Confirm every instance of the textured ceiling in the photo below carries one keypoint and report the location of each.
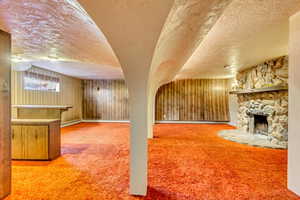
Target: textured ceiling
(199, 37)
(133, 28)
(249, 32)
(59, 35)
(188, 24)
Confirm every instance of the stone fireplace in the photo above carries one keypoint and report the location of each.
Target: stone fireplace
(265, 114)
(262, 105)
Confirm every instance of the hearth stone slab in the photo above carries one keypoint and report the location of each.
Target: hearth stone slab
(251, 139)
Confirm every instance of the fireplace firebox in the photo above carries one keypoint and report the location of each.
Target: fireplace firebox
(260, 124)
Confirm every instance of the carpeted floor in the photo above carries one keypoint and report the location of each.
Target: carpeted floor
(185, 162)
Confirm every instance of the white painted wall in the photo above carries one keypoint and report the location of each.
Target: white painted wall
(294, 105)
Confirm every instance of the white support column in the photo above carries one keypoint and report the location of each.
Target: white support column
(294, 105)
(132, 28)
(151, 118)
(140, 128)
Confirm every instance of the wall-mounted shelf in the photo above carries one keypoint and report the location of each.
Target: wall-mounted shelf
(269, 89)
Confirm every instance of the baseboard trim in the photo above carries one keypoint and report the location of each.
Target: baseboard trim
(294, 189)
(128, 121)
(190, 122)
(70, 123)
(104, 121)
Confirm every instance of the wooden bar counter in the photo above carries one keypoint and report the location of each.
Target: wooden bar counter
(35, 139)
(39, 111)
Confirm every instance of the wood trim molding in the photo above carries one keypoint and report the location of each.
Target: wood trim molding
(106, 121)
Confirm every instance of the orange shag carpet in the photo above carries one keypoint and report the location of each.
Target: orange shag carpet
(185, 162)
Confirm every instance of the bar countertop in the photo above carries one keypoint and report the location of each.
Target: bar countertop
(33, 121)
(43, 106)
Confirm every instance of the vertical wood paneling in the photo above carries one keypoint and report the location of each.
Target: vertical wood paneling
(184, 100)
(5, 128)
(105, 100)
(193, 100)
(70, 94)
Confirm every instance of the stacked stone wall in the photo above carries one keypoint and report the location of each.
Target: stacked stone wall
(268, 74)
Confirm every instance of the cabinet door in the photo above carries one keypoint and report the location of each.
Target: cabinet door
(36, 142)
(17, 143)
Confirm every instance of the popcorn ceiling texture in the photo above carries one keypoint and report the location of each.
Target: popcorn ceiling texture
(60, 30)
(188, 23)
(201, 36)
(247, 33)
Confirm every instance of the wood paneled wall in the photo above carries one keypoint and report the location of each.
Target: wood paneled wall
(5, 133)
(193, 100)
(184, 100)
(70, 94)
(105, 100)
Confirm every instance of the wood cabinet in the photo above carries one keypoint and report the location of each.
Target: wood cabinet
(16, 141)
(35, 139)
